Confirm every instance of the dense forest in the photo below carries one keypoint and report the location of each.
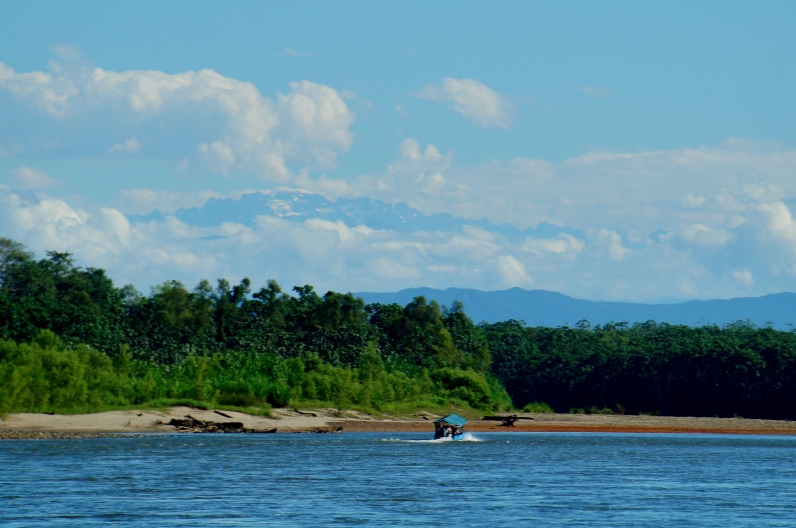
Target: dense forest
(73, 341)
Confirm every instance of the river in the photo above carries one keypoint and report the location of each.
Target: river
(361, 479)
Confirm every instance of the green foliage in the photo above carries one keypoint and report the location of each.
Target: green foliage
(44, 379)
(73, 341)
(671, 369)
(537, 407)
(40, 377)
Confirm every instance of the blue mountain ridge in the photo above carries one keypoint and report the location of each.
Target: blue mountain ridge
(535, 307)
(546, 308)
(298, 206)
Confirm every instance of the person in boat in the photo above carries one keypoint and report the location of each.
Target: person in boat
(449, 426)
(439, 431)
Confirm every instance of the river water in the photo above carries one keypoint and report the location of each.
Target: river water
(392, 479)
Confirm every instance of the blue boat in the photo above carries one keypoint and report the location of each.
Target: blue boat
(451, 426)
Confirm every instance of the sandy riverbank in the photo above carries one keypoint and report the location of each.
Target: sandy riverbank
(600, 424)
(26, 425)
(150, 421)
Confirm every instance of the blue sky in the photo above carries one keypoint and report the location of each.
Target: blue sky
(662, 134)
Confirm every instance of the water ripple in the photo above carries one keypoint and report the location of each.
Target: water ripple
(554, 479)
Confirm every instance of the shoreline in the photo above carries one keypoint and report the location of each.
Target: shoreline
(122, 423)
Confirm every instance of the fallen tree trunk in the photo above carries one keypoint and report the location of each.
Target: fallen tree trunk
(507, 421)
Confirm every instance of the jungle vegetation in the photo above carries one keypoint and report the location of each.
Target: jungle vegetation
(73, 341)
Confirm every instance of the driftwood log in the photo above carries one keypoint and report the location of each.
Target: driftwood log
(507, 421)
(189, 422)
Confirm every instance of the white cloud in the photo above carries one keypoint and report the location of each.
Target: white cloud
(596, 91)
(30, 179)
(65, 51)
(13, 149)
(645, 225)
(691, 201)
(629, 232)
(237, 128)
(779, 221)
(400, 109)
(290, 52)
(475, 101)
(128, 146)
(599, 264)
(706, 236)
(744, 277)
(610, 242)
(345, 235)
(142, 201)
(512, 272)
(644, 189)
(316, 120)
(562, 244)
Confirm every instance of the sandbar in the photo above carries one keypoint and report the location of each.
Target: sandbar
(114, 423)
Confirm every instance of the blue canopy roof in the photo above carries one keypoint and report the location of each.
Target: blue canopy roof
(453, 419)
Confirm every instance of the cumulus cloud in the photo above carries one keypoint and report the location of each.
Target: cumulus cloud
(128, 146)
(597, 263)
(744, 277)
(475, 101)
(691, 201)
(512, 272)
(648, 190)
(701, 222)
(706, 236)
(596, 91)
(779, 221)
(400, 109)
(30, 179)
(562, 244)
(236, 127)
(610, 242)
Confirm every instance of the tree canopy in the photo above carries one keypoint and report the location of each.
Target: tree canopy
(335, 347)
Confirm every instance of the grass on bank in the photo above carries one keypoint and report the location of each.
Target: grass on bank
(45, 377)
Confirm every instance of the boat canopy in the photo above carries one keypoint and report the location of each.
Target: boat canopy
(452, 419)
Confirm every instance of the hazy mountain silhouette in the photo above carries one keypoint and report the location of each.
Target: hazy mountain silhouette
(535, 307)
(299, 206)
(546, 308)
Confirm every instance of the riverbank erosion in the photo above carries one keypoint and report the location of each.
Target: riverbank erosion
(191, 420)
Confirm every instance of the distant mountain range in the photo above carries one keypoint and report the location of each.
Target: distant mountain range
(546, 308)
(299, 206)
(535, 307)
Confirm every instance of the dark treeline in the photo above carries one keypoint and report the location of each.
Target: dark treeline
(738, 370)
(235, 342)
(369, 355)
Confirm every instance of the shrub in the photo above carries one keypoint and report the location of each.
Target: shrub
(537, 407)
(465, 385)
(239, 400)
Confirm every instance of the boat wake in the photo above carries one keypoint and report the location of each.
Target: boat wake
(467, 437)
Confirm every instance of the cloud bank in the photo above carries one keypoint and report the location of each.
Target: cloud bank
(651, 225)
(228, 124)
(734, 236)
